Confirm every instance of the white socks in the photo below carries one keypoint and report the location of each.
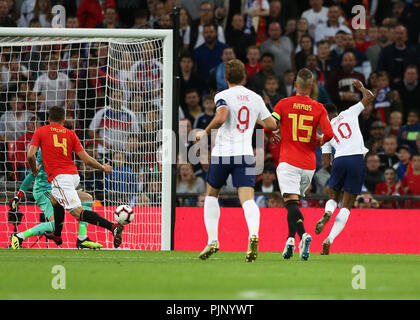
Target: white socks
(339, 223)
(211, 217)
(330, 206)
(252, 216)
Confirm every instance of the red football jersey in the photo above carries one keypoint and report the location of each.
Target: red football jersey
(299, 119)
(57, 145)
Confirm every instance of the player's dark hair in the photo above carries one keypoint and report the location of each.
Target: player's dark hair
(56, 114)
(330, 107)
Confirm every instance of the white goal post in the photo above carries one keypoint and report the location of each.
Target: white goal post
(160, 104)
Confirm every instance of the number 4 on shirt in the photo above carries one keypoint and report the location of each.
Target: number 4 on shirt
(62, 145)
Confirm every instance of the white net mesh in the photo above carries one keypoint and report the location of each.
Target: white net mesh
(112, 92)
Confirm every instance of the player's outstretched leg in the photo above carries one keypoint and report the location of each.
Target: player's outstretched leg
(211, 220)
(18, 238)
(93, 218)
(330, 207)
(83, 241)
(340, 221)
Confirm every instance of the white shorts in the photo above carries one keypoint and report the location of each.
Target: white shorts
(64, 190)
(293, 180)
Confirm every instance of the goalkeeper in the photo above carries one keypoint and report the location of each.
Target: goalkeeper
(41, 192)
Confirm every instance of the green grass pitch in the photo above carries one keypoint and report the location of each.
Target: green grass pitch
(27, 274)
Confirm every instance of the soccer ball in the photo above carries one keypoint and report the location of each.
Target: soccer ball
(124, 214)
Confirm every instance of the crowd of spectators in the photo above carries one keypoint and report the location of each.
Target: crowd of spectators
(273, 38)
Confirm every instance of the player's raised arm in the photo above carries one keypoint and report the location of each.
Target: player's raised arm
(368, 96)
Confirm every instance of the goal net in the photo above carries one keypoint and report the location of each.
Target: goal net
(116, 88)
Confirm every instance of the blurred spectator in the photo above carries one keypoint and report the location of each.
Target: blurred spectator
(164, 22)
(257, 82)
(184, 22)
(238, 39)
(13, 122)
(51, 87)
(289, 78)
(280, 46)
(72, 21)
(112, 125)
(328, 29)
(411, 181)
(325, 63)
(377, 41)
(389, 156)
(189, 77)
(301, 30)
(390, 187)
(362, 63)
(268, 182)
(110, 20)
(42, 12)
(397, 56)
(141, 19)
(187, 182)
(290, 28)
(200, 200)
(395, 123)
(410, 17)
(322, 176)
(275, 13)
(216, 81)
(91, 180)
(192, 103)
(340, 83)
(204, 119)
(195, 34)
(22, 146)
(360, 40)
(384, 102)
(373, 173)
(317, 14)
(409, 88)
(149, 128)
(366, 201)
(159, 10)
(91, 12)
(377, 135)
(209, 54)
(5, 20)
(408, 133)
(252, 65)
(307, 48)
(271, 93)
(275, 200)
(121, 183)
(256, 10)
(194, 6)
(90, 93)
(404, 165)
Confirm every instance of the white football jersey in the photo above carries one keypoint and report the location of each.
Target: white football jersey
(348, 139)
(234, 137)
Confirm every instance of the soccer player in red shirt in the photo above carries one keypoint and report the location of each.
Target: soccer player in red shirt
(299, 117)
(411, 182)
(57, 145)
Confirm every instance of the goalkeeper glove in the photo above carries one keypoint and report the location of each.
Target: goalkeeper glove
(13, 202)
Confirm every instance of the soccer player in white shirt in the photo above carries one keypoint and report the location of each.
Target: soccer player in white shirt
(237, 111)
(348, 168)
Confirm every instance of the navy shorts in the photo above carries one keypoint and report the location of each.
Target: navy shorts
(348, 174)
(242, 169)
